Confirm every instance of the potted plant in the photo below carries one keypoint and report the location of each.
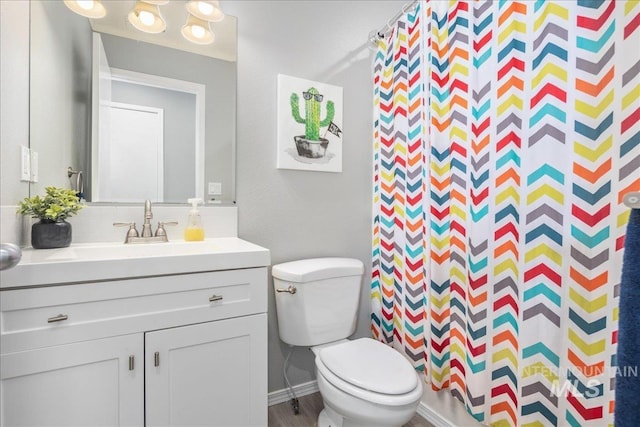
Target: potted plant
(52, 231)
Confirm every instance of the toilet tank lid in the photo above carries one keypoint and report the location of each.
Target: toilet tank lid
(308, 270)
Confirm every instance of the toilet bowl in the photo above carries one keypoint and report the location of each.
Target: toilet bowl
(363, 382)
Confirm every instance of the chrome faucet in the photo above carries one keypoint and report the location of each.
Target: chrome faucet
(148, 215)
(147, 235)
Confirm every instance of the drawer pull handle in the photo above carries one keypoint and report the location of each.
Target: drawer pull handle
(131, 361)
(58, 318)
(291, 289)
(214, 298)
(156, 359)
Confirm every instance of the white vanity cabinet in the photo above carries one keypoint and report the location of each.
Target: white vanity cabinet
(207, 374)
(168, 350)
(88, 383)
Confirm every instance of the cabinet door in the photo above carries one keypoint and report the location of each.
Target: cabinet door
(209, 374)
(82, 384)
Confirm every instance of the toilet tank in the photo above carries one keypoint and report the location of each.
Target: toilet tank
(324, 306)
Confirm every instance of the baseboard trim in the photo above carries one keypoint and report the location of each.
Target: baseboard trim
(431, 416)
(300, 390)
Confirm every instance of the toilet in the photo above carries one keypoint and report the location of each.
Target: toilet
(363, 383)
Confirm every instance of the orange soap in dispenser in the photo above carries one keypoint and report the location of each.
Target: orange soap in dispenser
(194, 231)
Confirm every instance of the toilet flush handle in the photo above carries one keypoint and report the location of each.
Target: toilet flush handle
(291, 289)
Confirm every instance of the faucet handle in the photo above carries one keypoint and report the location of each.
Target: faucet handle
(132, 229)
(161, 232)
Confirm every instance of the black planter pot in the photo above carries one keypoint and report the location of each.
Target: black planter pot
(50, 234)
(309, 148)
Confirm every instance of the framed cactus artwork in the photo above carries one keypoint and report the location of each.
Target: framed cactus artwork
(309, 125)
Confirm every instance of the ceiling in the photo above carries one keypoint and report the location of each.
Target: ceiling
(175, 15)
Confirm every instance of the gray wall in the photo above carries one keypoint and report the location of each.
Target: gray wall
(179, 133)
(60, 92)
(14, 103)
(325, 41)
(220, 103)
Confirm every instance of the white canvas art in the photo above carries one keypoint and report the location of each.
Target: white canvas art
(309, 125)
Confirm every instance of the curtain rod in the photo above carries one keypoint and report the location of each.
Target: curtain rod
(632, 200)
(374, 36)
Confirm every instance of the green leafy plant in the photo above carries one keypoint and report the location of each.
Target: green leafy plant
(57, 205)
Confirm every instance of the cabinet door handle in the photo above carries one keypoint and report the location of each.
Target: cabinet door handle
(156, 359)
(131, 361)
(213, 298)
(58, 318)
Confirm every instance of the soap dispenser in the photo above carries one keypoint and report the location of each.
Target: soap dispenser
(194, 231)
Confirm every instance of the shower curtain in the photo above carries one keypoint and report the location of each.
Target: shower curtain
(505, 135)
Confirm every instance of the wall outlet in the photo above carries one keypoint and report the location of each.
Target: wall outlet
(25, 163)
(215, 188)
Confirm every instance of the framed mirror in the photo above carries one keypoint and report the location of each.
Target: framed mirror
(123, 116)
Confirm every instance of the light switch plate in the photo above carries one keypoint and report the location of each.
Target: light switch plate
(215, 188)
(34, 166)
(25, 163)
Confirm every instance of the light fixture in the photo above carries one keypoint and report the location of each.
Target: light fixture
(93, 9)
(197, 31)
(145, 16)
(207, 10)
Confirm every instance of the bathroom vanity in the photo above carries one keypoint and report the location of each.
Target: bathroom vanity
(113, 334)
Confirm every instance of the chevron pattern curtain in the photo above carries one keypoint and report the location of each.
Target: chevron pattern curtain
(505, 135)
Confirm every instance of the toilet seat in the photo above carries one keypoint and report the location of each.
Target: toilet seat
(344, 366)
(371, 365)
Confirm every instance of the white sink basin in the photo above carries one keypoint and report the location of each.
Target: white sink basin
(86, 262)
(103, 251)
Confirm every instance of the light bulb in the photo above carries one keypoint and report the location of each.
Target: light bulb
(206, 8)
(92, 9)
(147, 18)
(85, 4)
(198, 31)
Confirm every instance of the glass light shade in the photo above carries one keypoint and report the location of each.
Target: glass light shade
(146, 17)
(197, 31)
(93, 9)
(207, 10)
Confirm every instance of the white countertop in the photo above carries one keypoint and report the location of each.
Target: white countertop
(89, 262)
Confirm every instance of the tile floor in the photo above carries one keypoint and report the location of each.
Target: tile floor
(281, 415)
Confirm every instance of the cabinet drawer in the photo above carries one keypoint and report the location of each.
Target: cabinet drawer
(123, 304)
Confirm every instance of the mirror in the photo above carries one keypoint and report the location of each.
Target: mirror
(187, 101)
